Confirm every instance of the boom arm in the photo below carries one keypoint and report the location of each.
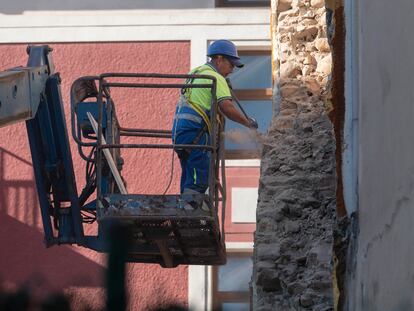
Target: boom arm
(21, 89)
(32, 94)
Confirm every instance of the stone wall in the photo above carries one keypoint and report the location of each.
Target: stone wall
(293, 257)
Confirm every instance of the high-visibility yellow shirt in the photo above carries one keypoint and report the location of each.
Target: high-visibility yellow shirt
(202, 96)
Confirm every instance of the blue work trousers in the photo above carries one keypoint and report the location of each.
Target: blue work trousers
(195, 163)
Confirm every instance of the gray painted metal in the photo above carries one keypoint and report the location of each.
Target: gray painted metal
(21, 89)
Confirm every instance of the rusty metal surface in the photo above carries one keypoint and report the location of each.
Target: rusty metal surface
(155, 146)
(145, 132)
(118, 205)
(158, 86)
(163, 232)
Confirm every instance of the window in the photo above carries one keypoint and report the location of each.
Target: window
(252, 85)
(231, 282)
(241, 3)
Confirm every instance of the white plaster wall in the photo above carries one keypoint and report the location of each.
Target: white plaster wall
(351, 126)
(19, 6)
(384, 272)
(246, 26)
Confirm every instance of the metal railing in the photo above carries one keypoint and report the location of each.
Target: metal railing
(217, 189)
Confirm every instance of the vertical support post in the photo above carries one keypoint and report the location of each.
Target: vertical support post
(116, 299)
(213, 158)
(221, 163)
(98, 144)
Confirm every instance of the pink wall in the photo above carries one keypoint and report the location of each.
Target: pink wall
(23, 257)
(240, 177)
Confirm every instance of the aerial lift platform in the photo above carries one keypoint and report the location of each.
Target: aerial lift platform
(159, 229)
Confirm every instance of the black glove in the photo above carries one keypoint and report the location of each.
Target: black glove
(229, 83)
(253, 123)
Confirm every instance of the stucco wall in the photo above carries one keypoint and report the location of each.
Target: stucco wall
(384, 273)
(23, 257)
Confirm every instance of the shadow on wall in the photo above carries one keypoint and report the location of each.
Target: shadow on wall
(15, 193)
(34, 294)
(20, 6)
(24, 256)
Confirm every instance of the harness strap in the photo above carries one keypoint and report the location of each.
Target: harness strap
(185, 101)
(185, 153)
(203, 115)
(188, 116)
(187, 94)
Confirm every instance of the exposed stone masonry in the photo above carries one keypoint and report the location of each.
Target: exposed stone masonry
(293, 258)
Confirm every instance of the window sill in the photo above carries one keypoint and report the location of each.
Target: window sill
(243, 163)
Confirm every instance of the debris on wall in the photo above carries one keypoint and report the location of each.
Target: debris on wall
(293, 254)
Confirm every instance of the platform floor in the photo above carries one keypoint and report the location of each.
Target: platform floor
(163, 232)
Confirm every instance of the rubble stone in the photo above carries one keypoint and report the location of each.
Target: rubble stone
(289, 69)
(325, 65)
(317, 3)
(322, 45)
(296, 206)
(284, 5)
(269, 281)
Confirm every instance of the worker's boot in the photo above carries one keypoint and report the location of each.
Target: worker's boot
(187, 202)
(183, 204)
(205, 207)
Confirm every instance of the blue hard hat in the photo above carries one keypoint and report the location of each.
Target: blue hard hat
(227, 49)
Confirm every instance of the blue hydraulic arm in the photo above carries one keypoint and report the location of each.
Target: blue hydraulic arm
(32, 93)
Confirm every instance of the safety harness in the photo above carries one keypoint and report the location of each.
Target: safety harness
(186, 108)
(186, 93)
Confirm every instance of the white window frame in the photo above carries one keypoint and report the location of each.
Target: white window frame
(200, 280)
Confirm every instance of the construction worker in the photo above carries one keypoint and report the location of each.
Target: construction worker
(191, 121)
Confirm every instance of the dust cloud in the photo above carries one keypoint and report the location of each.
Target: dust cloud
(246, 138)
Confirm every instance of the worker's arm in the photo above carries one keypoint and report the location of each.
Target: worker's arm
(231, 112)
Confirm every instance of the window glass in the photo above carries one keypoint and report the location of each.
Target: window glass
(256, 73)
(237, 136)
(235, 275)
(253, 87)
(234, 306)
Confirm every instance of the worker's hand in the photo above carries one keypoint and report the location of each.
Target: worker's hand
(253, 123)
(229, 83)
